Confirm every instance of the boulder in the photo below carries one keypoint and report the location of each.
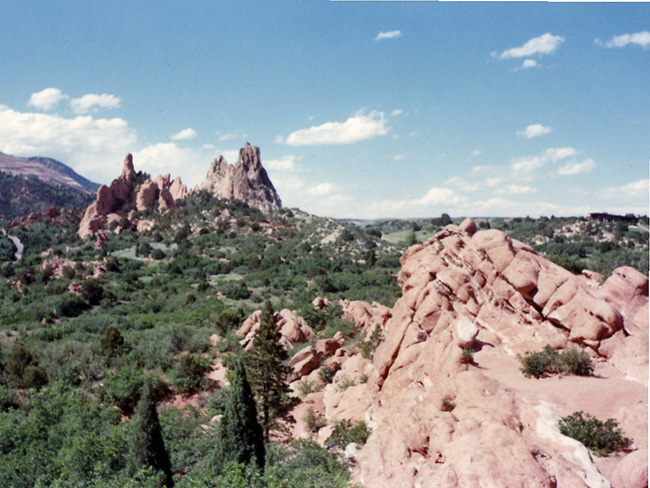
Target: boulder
(304, 362)
(465, 332)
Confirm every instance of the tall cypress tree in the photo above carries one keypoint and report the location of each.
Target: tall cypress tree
(147, 444)
(240, 433)
(268, 373)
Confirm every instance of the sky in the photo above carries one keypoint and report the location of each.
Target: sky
(360, 109)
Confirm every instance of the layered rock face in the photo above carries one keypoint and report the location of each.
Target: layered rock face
(115, 201)
(246, 181)
(496, 297)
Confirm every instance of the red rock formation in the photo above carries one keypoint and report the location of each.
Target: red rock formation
(292, 327)
(246, 181)
(113, 202)
(464, 288)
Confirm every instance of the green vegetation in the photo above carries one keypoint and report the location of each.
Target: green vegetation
(240, 436)
(22, 195)
(147, 447)
(80, 342)
(548, 361)
(602, 438)
(578, 243)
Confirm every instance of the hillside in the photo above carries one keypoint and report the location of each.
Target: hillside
(402, 363)
(34, 184)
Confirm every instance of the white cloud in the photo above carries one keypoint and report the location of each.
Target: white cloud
(93, 102)
(228, 137)
(184, 135)
(286, 164)
(399, 157)
(557, 153)
(635, 189)
(534, 130)
(358, 128)
(320, 190)
(396, 112)
(462, 184)
(575, 168)
(528, 164)
(529, 63)
(46, 99)
(640, 38)
(475, 153)
(544, 44)
(90, 146)
(516, 190)
(388, 35)
(167, 157)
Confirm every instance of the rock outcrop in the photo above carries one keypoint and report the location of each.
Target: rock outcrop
(129, 190)
(482, 292)
(246, 181)
(292, 328)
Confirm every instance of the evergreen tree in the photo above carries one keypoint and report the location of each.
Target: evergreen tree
(147, 444)
(240, 434)
(268, 373)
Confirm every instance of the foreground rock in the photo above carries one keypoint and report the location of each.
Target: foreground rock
(482, 292)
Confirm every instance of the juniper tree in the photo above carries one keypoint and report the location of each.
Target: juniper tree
(240, 435)
(268, 373)
(147, 444)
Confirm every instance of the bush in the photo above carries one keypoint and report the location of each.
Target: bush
(326, 373)
(189, 373)
(112, 340)
(314, 421)
(71, 306)
(549, 361)
(345, 433)
(447, 405)
(600, 438)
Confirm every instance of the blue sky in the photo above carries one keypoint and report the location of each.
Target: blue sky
(360, 109)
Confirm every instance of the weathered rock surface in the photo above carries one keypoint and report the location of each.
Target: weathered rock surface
(115, 201)
(292, 327)
(246, 181)
(497, 296)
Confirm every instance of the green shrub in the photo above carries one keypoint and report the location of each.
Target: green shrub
(600, 438)
(448, 405)
(368, 347)
(112, 340)
(307, 386)
(344, 433)
(314, 421)
(188, 375)
(326, 373)
(549, 361)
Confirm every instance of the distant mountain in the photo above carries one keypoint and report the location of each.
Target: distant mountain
(33, 184)
(47, 170)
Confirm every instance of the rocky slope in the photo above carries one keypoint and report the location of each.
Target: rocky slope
(484, 292)
(47, 170)
(31, 185)
(246, 181)
(128, 193)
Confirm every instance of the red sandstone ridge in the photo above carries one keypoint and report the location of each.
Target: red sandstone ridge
(483, 290)
(246, 181)
(128, 190)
